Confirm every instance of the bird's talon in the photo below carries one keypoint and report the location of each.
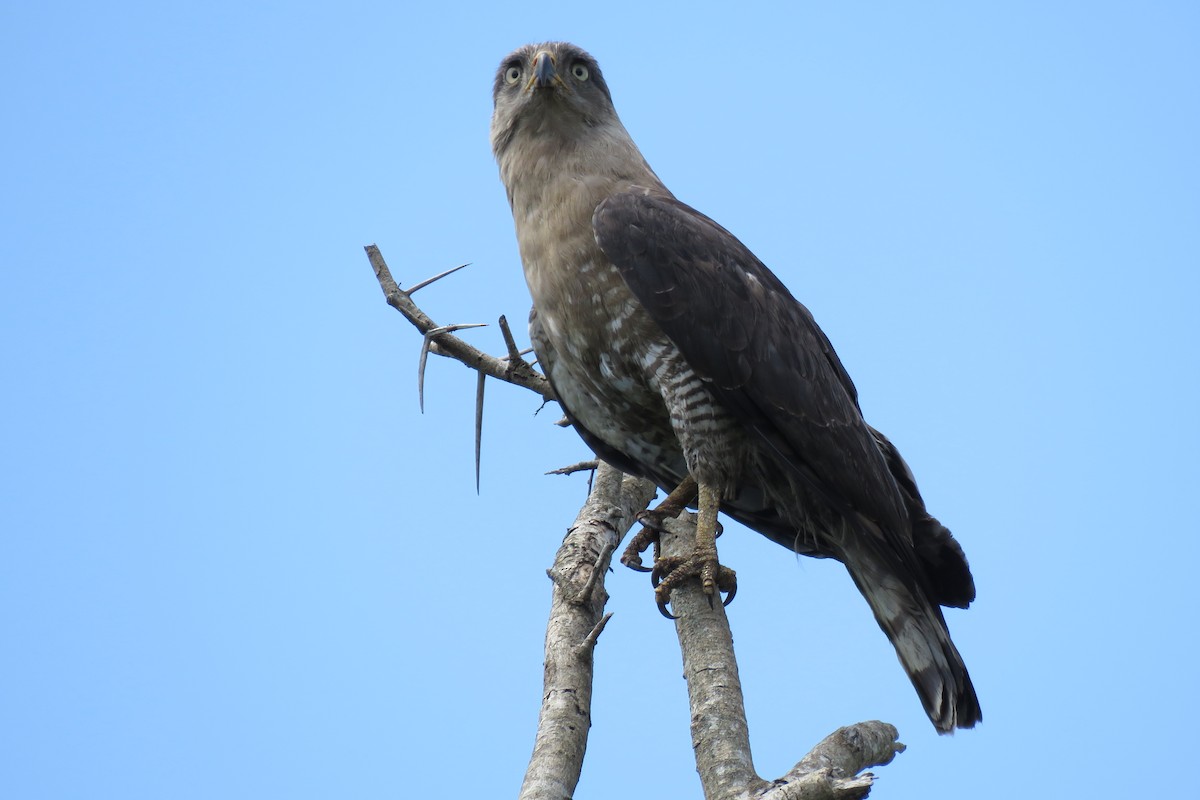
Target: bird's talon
(651, 518)
(662, 603)
(633, 560)
(641, 541)
(726, 583)
(663, 568)
(717, 581)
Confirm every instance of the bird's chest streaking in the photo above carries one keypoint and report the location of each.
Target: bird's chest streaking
(614, 369)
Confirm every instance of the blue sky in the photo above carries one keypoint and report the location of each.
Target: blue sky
(237, 562)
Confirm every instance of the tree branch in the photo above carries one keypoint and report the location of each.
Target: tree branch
(720, 735)
(517, 372)
(576, 615)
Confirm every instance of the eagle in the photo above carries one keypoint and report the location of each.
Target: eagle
(678, 356)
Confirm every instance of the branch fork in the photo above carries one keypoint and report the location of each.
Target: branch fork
(720, 735)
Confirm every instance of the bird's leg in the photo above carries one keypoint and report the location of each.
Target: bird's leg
(652, 520)
(670, 571)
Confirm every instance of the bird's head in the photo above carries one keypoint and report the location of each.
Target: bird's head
(547, 89)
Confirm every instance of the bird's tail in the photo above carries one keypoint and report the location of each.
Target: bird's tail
(917, 630)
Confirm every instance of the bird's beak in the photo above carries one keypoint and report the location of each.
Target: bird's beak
(544, 73)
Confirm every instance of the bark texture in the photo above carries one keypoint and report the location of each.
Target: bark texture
(576, 619)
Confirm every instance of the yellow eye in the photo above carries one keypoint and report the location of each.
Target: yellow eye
(580, 72)
(512, 74)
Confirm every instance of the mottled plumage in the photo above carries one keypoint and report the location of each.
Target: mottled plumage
(674, 351)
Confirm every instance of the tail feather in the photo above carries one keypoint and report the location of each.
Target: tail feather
(943, 558)
(918, 631)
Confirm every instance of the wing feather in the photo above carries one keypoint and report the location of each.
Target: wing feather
(758, 347)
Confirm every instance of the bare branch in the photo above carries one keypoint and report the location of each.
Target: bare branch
(603, 559)
(579, 466)
(584, 649)
(851, 749)
(576, 611)
(720, 734)
(445, 344)
(425, 346)
(514, 352)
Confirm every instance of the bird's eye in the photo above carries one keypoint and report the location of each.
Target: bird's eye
(580, 72)
(512, 74)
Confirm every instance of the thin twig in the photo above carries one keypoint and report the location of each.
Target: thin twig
(579, 466)
(444, 344)
(585, 648)
(598, 569)
(514, 352)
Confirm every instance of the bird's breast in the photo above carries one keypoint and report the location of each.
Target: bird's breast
(614, 368)
(608, 356)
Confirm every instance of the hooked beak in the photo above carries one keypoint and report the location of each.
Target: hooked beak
(544, 73)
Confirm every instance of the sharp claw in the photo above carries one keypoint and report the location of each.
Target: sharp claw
(633, 560)
(641, 541)
(662, 609)
(669, 572)
(658, 572)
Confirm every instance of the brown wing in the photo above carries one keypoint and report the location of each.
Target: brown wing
(740, 328)
(771, 366)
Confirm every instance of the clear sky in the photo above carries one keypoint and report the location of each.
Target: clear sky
(236, 562)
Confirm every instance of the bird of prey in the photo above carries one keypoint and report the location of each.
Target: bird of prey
(678, 356)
